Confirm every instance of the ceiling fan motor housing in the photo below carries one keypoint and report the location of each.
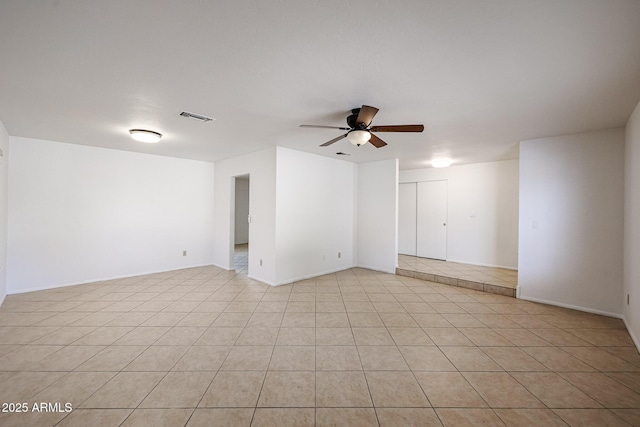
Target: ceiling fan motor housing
(352, 120)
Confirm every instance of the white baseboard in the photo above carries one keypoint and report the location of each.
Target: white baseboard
(381, 270)
(483, 265)
(86, 282)
(631, 334)
(222, 267)
(318, 274)
(311, 276)
(257, 279)
(573, 307)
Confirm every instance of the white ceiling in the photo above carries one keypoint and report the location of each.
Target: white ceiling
(480, 74)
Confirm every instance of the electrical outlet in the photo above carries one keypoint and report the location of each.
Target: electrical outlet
(184, 253)
(339, 254)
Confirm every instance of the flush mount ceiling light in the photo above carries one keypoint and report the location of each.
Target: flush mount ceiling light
(441, 163)
(359, 137)
(143, 135)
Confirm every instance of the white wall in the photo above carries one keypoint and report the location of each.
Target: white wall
(4, 146)
(571, 221)
(315, 209)
(79, 214)
(377, 216)
(632, 226)
(482, 225)
(261, 166)
(242, 211)
(408, 218)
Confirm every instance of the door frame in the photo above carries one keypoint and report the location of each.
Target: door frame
(232, 220)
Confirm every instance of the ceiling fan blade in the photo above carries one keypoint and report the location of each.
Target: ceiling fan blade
(398, 128)
(366, 114)
(333, 140)
(377, 142)
(324, 127)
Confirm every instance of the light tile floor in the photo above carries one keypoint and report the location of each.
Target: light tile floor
(241, 258)
(204, 346)
(488, 279)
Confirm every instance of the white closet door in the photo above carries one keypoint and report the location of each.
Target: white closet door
(432, 219)
(407, 219)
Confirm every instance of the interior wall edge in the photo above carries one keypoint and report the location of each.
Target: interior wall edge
(631, 334)
(4, 209)
(631, 252)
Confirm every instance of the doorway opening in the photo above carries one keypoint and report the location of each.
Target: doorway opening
(240, 230)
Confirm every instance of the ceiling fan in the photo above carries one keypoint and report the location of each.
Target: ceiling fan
(360, 129)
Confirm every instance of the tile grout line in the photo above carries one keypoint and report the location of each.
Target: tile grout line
(364, 373)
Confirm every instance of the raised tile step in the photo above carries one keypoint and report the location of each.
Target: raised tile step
(454, 281)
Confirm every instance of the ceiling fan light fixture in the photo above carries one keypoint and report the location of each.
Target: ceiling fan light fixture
(144, 135)
(359, 137)
(441, 163)
(360, 130)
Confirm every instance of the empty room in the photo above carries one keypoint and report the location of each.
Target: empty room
(334, 213)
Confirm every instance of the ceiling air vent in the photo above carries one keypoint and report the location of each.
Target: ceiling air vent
(195, 116)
